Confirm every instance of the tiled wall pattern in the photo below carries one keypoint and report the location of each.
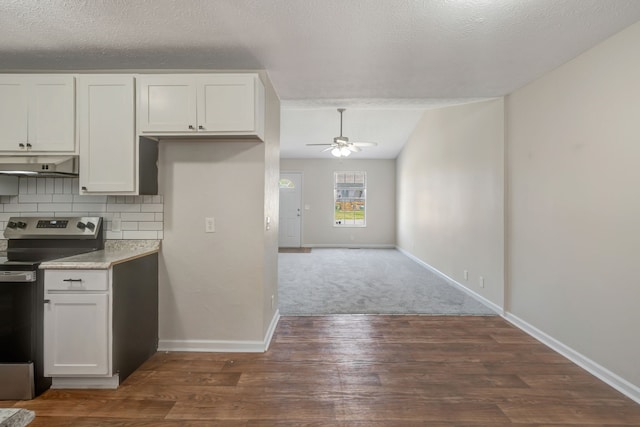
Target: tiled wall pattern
(141, 217)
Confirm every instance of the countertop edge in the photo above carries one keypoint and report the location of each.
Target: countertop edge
(98, 260)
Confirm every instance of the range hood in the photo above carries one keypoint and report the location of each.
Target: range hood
(39, 166)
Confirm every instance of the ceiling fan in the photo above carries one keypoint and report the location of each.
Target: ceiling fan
(341, 147)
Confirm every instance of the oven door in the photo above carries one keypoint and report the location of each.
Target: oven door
(19, 333)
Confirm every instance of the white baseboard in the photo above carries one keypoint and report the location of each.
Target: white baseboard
(85, 382)
(213, 346)
(222, 346)
(350, 245)
(493, 306)
(615, 381)
(271, 330)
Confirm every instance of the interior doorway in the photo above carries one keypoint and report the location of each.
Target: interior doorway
(290, 210)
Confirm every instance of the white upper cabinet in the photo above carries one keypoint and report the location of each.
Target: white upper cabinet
(106, 123)
(167, 104)
(201, 104)
(14, 113)
(37, 113)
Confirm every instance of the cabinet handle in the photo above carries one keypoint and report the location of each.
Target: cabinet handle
(21, 145)
(28, 145)
(84, 188)
(47, 301)
(72, 280)
(201, 127)
(191, 127)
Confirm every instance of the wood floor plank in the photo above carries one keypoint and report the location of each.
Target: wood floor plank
(422, 379)
(561, 412)
(127, 422)
(191, 378)
(355, 371)
(395, 410)
(257, 407)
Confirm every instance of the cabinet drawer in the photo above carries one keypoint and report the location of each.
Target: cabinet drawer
(76, 280)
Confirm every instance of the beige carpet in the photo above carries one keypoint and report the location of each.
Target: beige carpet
(366, 281)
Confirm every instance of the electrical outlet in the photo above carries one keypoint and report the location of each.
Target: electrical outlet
(116, 224)
(481, 282)
(209, 225)
(466, 275)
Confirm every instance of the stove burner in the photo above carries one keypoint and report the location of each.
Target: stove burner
(33, 239)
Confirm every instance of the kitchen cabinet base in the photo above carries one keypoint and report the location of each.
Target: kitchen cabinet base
(17, 381)
(85, 382)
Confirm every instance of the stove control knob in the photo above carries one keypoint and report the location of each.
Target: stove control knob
(81, 225)
(91, 226)
(12, 224)
(21, 224)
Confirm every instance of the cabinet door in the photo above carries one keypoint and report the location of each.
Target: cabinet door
(106, 115)
(226, 103)
(167, 104)
(14, 112)
(76, 335)
(52, 113)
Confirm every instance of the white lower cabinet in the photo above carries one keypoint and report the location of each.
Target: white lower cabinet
(77, 319)
(100, 325)
(77, 334)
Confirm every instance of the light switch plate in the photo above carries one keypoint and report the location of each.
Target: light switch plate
(209, 225)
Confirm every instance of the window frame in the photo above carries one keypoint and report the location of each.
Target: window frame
(363, 197)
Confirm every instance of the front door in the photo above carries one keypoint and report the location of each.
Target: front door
(290, 209)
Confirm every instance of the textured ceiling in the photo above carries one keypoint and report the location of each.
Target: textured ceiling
(320, 54)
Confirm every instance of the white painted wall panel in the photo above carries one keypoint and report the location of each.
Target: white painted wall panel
(450, 191)
(573, 232)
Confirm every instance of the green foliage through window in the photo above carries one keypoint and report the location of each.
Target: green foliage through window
(350, 193)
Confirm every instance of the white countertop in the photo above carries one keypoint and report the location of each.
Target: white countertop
(115, 252)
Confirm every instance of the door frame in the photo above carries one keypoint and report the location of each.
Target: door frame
(297, 172)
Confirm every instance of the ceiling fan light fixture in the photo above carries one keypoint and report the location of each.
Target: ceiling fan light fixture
(341, 147)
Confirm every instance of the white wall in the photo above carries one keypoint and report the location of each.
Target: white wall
(574, 205)
(271, 204)
(211, 283)
(317, 193)
(450, 190)
(215, 288)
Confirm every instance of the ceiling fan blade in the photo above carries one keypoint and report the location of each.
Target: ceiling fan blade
(317, 144)
(354, 148)
(330, 147)
(365, 144)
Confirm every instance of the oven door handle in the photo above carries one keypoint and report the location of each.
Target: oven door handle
(17, 276)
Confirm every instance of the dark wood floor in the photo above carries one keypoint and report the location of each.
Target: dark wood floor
(355, 371)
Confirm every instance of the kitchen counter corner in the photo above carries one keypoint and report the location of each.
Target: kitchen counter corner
(114, 252)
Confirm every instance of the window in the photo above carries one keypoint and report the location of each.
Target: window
(287, 183)
(350, 194)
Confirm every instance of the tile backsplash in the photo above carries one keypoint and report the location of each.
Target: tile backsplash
(141, 217)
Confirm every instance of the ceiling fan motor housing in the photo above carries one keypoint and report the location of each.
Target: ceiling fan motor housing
(341, 140)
